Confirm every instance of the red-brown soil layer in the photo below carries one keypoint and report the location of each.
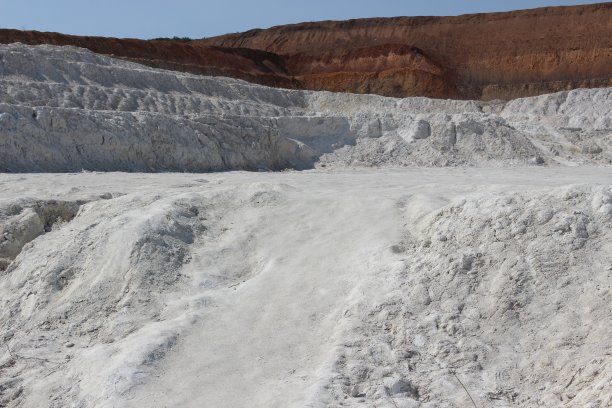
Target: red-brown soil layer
(479, 56)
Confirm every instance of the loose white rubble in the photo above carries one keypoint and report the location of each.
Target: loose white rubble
(365, 288)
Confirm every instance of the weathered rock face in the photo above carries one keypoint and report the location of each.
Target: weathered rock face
(480, 56)
(488, 56)
(389, 69)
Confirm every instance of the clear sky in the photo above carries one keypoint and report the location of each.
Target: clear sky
(197, 19)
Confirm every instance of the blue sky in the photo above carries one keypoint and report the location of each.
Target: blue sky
(197, 19)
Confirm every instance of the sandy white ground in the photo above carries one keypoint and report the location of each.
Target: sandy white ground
(386, 288)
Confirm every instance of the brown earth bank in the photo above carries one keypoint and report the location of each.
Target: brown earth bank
(479, 56)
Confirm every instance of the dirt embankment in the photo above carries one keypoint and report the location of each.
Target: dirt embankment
(479, 56)
(488, 56)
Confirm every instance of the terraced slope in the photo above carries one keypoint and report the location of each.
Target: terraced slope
(68, 109)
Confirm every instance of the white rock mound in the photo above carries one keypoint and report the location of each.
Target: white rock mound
(413, 288)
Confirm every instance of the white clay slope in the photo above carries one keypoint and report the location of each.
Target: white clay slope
(67, 109)
(369, 288)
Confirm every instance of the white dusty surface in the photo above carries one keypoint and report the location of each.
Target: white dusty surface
(344, 286)
(369, 288)
(67, 109)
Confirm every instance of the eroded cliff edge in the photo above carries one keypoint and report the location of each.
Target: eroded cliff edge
(480, 56)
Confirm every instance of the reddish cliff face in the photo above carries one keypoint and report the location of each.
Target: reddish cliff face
(498, 55)
(389, 69)
(481, 56)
